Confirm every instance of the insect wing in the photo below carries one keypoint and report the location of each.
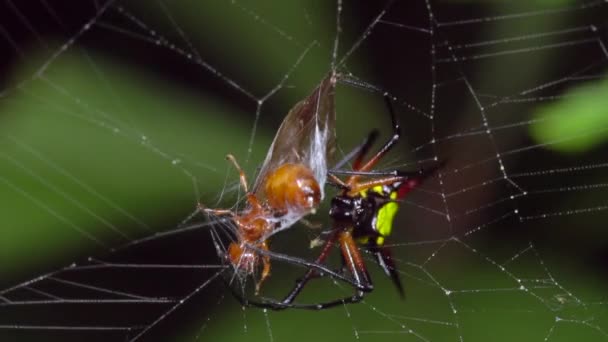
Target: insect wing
(306, 136)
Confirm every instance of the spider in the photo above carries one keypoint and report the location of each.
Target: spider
(362, 214)
(288, 186)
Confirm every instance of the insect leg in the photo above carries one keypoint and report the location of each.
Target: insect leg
(265, 268)
(242, 176)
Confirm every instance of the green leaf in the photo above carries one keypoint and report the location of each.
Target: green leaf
(576, 123)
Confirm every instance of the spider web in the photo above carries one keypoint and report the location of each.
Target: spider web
(116, 118)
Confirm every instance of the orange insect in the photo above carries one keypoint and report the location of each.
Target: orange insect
(290, 183)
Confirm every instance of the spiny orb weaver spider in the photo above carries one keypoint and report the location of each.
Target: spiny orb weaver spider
(288, 186)
(362, 214)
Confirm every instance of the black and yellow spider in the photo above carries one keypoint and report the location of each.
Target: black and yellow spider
(362, 214)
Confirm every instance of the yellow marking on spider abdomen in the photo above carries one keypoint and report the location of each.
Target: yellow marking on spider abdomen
(384, 221)
(384, 217)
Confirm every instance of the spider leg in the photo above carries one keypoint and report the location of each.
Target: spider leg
(314, 269)
(364, 148)
(354, 261)
(361, 280)
(358, 187)
(384, 258)
(314, 266)
(416, 179)
(410, 180)
(336, 182)
(311, 272)
(359, 151)
(404, 174)
(277, 306)
(388, 145)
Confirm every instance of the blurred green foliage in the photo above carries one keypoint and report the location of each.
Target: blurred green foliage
(576, 123)
(52, 143)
